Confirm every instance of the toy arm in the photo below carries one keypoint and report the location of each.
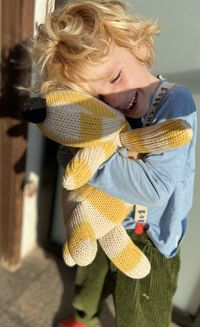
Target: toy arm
(85, 163)
(157, 138)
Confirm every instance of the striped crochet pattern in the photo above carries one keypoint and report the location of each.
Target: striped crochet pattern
(80, 121)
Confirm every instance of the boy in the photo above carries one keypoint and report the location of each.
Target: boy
(99, 48)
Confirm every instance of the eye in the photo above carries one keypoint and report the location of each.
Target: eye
(116, 78)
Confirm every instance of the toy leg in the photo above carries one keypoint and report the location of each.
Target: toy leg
(124, 254)
(81, 246)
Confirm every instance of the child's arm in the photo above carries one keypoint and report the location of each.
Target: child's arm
(149, 182)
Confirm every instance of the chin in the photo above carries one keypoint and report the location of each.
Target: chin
(136, 116)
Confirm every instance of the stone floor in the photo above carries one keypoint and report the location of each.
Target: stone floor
(39, 293)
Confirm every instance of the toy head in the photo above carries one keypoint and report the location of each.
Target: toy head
(74, 119)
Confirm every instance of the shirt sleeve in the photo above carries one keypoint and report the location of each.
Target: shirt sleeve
(150, 181)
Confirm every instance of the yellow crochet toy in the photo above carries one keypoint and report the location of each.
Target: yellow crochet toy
(80, 121)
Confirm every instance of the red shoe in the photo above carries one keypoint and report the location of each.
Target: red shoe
(71, 322)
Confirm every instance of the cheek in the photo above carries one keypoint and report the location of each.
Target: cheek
(137, 76)
(126, 83)
(131, 83)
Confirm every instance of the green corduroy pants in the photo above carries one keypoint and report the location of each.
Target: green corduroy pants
(143, 302)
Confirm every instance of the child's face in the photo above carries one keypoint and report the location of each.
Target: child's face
(128, 84)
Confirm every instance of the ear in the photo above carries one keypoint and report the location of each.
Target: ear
(34, 110)
(143, 52)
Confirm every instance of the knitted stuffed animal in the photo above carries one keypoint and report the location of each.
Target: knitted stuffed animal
(96, 130)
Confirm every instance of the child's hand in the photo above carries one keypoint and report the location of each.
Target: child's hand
(135, 155)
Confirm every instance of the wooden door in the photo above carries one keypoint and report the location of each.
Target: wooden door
(17, 26)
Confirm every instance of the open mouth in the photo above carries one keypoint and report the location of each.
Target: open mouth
(131, 105)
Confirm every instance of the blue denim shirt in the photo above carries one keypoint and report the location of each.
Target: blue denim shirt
(163, 182)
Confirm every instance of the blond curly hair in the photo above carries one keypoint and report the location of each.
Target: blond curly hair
(79, 35)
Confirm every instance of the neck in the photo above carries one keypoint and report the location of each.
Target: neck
(154, 82)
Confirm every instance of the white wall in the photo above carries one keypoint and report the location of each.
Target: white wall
(33, 167)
